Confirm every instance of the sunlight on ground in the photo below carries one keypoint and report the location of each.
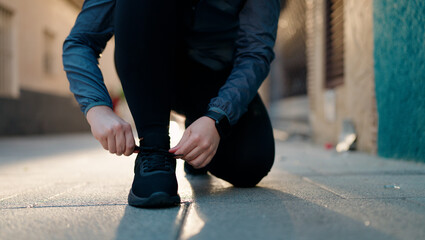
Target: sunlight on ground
(176, 132)
(176, 128)
(193, 222)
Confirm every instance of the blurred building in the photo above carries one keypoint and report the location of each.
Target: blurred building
(289, 68)
(341, 69)
(366, 64)
(34, 91)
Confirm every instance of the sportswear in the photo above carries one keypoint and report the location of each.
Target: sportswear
(218, 33)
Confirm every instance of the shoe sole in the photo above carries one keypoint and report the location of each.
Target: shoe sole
(156, 200)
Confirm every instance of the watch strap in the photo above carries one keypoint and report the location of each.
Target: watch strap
(221, 122)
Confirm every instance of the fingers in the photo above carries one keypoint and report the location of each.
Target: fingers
(120, 142)
(104, 142)
(187, 147)
(207, 160)
(182, 141)
(193, 154)
(129, 143)
(112, 143)
(110, 130)
(194, 147)
(197, 162)
(199, 142)
(124, 140)
(200, 157)
(202, 160)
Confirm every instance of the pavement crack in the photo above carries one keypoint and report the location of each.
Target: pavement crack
(26, 191)
(8, 197)
(56, 195)
(66, 191)
(322, 187)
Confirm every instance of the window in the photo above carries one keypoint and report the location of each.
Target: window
(7, 84)
(334, 43)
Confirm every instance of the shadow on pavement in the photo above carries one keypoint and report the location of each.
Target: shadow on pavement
(148, 223)
(265, 213)
(220, 211)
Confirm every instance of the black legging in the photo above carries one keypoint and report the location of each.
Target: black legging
(157, 76)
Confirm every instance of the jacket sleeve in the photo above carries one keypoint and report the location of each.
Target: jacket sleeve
(258, 21)
(82, 49)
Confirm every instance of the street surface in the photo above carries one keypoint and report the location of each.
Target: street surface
(68, 187)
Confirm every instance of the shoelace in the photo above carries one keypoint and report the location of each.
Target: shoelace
(153, 159)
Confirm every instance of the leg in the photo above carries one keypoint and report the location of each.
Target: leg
(247, 155)
(145, 42)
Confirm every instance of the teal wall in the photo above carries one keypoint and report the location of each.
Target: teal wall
(399, 52)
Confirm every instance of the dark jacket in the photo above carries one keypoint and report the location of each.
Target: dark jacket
(220, 33)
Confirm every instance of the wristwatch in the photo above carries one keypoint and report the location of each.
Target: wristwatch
(221, 122)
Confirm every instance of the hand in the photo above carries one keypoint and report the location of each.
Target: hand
(111, 131)
(199, 143)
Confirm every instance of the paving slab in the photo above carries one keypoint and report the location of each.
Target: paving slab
(88, 222)
(307, 159)
(373, 186)
(420, 201)
(397, 218)
(311, 193)
(279, 220)
(76, 192)
(277, 211)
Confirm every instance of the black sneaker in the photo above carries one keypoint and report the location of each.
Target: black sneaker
(155, 182)
(190, 170)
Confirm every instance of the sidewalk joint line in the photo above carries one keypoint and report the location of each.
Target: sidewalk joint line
(323, 187)
(66, 206)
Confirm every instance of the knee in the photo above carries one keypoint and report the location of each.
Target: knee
(246, 181)
(246, 168)
(252, 172)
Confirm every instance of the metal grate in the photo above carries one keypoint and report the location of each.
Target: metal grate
(334, 43)
(6, 78)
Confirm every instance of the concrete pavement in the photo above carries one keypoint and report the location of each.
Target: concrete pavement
(68, 187)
